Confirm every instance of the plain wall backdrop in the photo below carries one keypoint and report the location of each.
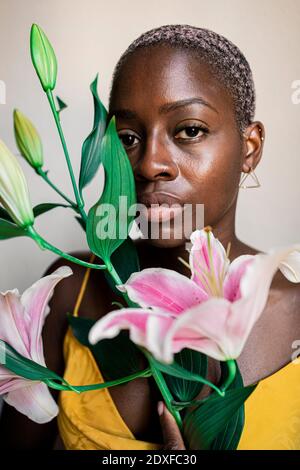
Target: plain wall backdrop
(88, 37)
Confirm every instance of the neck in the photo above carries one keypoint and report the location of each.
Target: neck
(224, 231)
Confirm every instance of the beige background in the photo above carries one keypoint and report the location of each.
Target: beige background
(88, 37)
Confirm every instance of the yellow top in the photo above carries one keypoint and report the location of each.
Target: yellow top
(91, 420)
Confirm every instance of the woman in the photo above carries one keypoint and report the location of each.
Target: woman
(184, 103)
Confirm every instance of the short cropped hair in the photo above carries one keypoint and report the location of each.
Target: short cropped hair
(225, 58)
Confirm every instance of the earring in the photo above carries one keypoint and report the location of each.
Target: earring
(253, 176)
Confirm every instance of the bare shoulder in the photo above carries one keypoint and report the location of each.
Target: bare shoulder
(270, 344)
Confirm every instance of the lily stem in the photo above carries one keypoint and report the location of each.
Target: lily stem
(78, 198)
(46, 178)
(85, 388)
(231, 365)
(46, 245)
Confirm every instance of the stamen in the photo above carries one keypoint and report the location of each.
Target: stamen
(228, 249)
(185, 263)
(212, 268)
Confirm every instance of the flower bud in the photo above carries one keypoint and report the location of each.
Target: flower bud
(28, 140)
(43, 58)
(13, 188)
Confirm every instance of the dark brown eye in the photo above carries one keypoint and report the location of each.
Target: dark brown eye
(128, 140)
(190, 132)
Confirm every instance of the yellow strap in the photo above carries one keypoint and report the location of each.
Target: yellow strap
(83, 287)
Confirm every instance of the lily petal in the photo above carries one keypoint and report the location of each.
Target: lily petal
(13, 329)
(163, 289)
(290, 268)
(202, 263)
(10, 381)
(255, 286)
(34, 401)
(204, 329)
(35, 301)
(233, 278)
(147, 327)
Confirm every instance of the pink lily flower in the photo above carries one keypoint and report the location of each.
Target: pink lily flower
(21, 321)
(213, 312)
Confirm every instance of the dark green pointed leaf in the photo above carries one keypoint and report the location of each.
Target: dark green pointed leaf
(91, 148)
(45, 207)
(204, 426)
(116, 357)
(61, 104)
(229, 437)
(10, 230)
(24, 367)
(125, 261)
(176, 370)
(106, 219)
(195, 362)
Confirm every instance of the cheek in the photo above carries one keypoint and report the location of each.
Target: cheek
(214, 175)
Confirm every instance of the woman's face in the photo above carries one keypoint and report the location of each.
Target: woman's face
(177, 124)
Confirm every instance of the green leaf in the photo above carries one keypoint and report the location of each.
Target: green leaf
(125, 261)
(116, 357)
(61, 104)
(24, 367)
(45, 207)
(195, 362)
(176, 370)
(109, 215)
(229, 437)
(43, 58)
(10, 230)
(215, 423)
(81, 222)
(91, 148)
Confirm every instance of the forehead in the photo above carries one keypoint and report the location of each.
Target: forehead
(158, 74)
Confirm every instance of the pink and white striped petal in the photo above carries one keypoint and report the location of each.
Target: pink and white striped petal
(147, 328)
(236, 270)
(35, 401)
(13, 328)
(163, 289)
(35, 302)
(204, 329)
(208, 261)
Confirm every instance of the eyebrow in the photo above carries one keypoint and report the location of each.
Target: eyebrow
(165, 108)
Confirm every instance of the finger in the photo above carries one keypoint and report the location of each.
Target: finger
(171, 433)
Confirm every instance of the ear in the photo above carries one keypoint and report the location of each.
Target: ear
(254, 136)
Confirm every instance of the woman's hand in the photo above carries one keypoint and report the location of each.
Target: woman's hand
(171, 433)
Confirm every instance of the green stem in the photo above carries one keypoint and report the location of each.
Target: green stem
(231, 364)
(157, 375)
(45, 177)
(45, 245)
(78, 198)
(118, 281)
(85, 388)
(164, 389)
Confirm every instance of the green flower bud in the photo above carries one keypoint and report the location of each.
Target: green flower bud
(14, 194)
(43, 58)
(28, 140)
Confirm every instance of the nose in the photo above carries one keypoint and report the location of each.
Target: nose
(156, 161)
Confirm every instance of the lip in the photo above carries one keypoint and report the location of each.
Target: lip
(158, 198)
(160, 206)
